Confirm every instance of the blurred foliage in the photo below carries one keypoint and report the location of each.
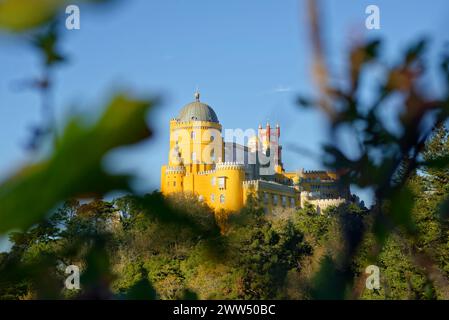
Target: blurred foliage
(155, 247)
(22, 15)
(75, 166)
(386, 161)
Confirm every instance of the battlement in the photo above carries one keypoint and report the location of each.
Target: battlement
(229, 166)
(175, 170)
(327, 202)
(250, 182)
(194, 124)
(322, 204)
(206, 172)
(314, 171)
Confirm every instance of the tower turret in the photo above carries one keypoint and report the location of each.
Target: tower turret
(229, 182)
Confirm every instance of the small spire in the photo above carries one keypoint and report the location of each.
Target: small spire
(197, 94)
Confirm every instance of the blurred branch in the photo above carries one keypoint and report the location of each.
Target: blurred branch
(319, 69)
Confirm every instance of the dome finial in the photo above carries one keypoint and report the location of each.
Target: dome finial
(197, 94)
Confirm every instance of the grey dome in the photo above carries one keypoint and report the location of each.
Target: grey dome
(197, 111)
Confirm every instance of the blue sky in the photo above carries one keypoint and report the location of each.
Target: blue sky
(249, 58)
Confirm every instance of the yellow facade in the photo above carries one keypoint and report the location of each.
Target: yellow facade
(196, 165)
(326, 183)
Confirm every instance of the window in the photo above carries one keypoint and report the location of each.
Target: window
(193, 135)
(212, 197)
(212, 138)
(284, 200)
(265, 197)
(292, 202)
(212, 181)
(275, 199)
(174, 183)
(212, 155)
(222, 182)
(222, 198)
(193, 156)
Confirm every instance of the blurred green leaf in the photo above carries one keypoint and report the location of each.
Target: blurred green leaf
(47, 44)
(75, 167)
(21, 15)
(96, 279)
(329, 283)
(142, 290)
(24, 15)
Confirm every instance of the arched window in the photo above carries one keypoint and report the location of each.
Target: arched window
(212, 155)
(222, 198)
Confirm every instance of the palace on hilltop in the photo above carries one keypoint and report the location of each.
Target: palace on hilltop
(224, 174)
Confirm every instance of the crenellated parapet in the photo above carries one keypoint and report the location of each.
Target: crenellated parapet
(250, 182)
(322, 204)
(314, 171)
(175, 170)
(196, 124)
(229, 166)
(205, 172)
(328, 202)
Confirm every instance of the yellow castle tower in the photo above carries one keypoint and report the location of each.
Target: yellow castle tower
(195, 160)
